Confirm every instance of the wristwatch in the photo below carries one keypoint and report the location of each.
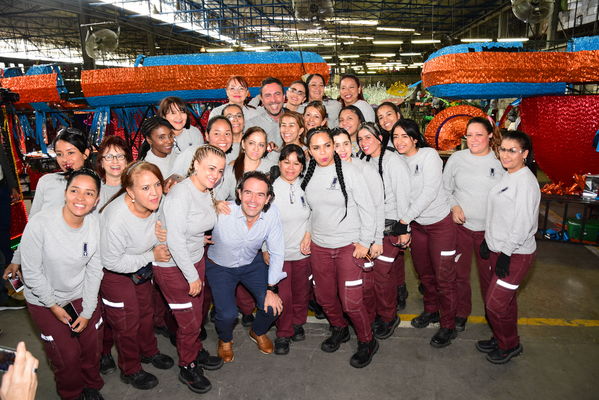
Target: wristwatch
(273, 288)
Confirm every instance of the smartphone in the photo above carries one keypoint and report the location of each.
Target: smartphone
(7, 357)
(16, 283)
(70, 309)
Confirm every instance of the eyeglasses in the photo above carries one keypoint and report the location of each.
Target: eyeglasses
(110, 157)
(512, 151)
(231, 117)
(296, 91)
(237, 89)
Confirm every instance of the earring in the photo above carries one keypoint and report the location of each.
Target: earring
(132, 200)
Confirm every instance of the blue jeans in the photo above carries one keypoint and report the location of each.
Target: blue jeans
(223, 281)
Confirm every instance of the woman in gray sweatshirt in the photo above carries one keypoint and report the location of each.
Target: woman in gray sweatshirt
(189, 211)
(72, 153)
(509, 246)
(342, 229)
(433, 231)
(389, 270)
(62, 274)
(129, 246)
(468, 176)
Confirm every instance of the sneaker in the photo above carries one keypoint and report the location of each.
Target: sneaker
(282, 345)
(141, 380)
(500, 356)
(107, 365)
(487, 346)
(247, 320)
(206, 361)
(316, 309)
(384, 330)
(193, 376)
(443, 337)
(338, 335)
(12, 304)
(424, 319)
(363, 356)
(159, 360)
(402, 295)
(298, 333)
(91, 394)
(460, 324)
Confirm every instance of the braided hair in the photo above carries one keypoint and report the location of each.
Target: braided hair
(147, 127)
(338, 165)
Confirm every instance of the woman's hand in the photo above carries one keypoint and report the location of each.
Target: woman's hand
(458, 215)
(61, 314)
(404, 240)
(360, 251)
(80, 324)
(222, 207)
(305, 244)
(160, 232)
(375, 250)
(195, 288)
(208, 240)
(161, 253)
(14, 269)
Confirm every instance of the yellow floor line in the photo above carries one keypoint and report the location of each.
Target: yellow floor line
(474, 319)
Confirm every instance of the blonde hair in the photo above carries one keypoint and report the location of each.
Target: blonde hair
(201, 153)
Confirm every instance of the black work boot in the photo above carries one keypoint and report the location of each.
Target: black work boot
(206, 361)
(443, 337)
(424, 319)
(363, 356)
(141, 380)
(338, 335)
(193, 376)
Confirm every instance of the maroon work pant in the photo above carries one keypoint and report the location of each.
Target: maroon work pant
(187, 310)
(129, 309)
(75, 360)
(400, 269)
(294, 292)
(433, 253)
(385, 279)
(467, 242)
(338, 286)
(107, 338)
(500, 303)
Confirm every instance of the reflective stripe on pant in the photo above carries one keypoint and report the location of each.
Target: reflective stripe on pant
(244, 300)
(187, 310)
(501, 304)
(294, 291)
(385, 278)
(129, 309)
(467, 242)
(223, 282)
(338, 285)
(433, 254)
(75, 360)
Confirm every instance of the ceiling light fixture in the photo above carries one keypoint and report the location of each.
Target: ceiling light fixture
(475, 40)
(219, 50)
(382, 54)
(383, 42)
(385, 28)
(426, 41)
(369, 22)
(410, 54)
(508, 40)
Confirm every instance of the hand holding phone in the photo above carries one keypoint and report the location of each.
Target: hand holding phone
(20, 381)
(16, 282)
(7, 357)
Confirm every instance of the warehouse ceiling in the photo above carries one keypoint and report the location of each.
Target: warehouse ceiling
(339, 30)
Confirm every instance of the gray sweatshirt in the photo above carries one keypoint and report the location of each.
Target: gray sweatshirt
(188, 213)
(106, 193)
(375, 188)
(61, 263)
(326, 201)
(190, 137)
(229, 176)
(333, 108)
(165, 165)
(396, 178)
(429, 202)
(127, 241)
(248, 112)
(512, 213)
(270, 126)
(48, 193)
(467, 179)
(294, 211)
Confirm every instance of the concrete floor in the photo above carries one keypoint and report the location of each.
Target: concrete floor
(559, 361)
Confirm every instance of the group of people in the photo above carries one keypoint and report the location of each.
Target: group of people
(300, 199)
